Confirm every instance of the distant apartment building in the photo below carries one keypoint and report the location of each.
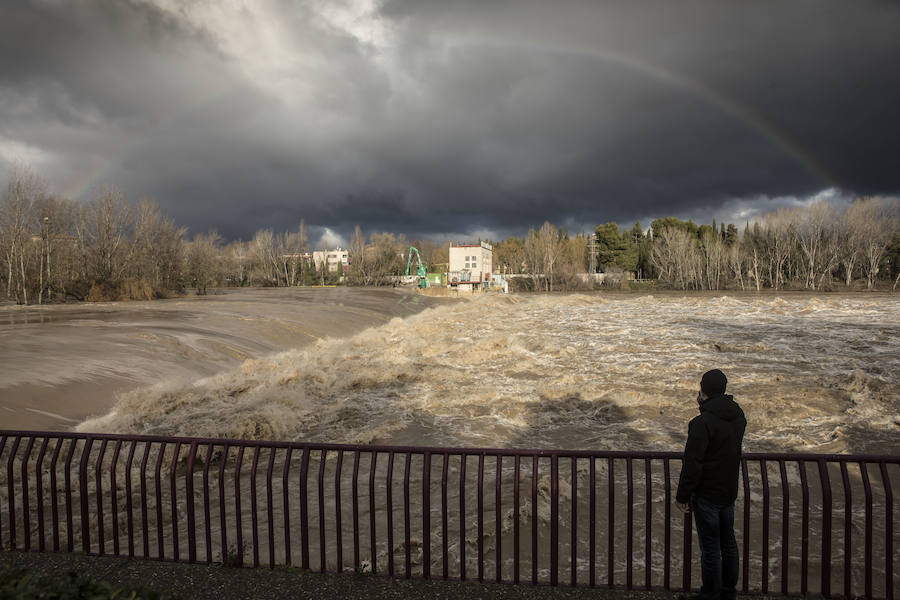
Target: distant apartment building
(471, 265)
(337, 260)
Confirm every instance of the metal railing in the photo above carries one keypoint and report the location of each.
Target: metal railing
(807, 524)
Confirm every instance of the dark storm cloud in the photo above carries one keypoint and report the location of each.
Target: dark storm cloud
(443, 118)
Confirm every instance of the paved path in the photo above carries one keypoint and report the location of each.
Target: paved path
(216, 582)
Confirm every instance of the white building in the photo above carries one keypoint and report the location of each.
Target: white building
(471, 264)
(336, 259)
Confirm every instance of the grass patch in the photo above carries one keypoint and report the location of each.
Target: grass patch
(25, 585)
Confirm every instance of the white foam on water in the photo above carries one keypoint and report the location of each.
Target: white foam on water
(576, 371)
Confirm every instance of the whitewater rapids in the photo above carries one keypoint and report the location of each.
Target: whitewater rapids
(593, 371)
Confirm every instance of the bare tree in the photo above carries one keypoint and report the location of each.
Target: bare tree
(359, 261)
(873, 221)
(24, 189)
(675, 255)
(203, 260)
(813, 231)
(109, 231)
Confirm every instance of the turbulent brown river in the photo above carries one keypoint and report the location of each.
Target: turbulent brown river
(592, 371)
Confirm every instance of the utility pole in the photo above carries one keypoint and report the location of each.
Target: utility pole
(592, 252)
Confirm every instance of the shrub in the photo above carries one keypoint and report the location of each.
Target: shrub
(25, 585)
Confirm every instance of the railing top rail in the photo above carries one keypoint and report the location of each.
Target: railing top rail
(469, 451)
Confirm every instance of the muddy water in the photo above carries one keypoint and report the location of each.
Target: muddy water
(576, 371)
(62, 364)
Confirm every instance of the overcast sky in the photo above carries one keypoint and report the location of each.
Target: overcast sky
(452, 118)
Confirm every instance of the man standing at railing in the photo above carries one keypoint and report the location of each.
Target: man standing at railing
(709, 482)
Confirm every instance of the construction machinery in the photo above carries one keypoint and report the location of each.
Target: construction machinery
(419, 278)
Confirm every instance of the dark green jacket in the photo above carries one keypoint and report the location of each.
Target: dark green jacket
(712, 455)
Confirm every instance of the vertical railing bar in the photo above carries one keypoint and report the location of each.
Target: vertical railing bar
(129, 519)
(825, 483)
(98, 468)
(2, 446)
(686, 573)
(574, 527)
(745, 577)
(173, 486)
(320, 482)
(338, 533)
(254, 520)
(26, 508)
(534, 520)
(785, 525)
(648, 555)
(159, 514)
(304, 510)
(406, 516)
(54, 502)
(804, 533)
(867, 488)
(83, 492)
(114, 503)
(238, 520)
(389, 495)
(285, 489)
(498, 520)
(145, 521)
(888, 531)
(355, 491)
(189, 502)
(445, 543)
(39, 491)
(70, 521)
(516, 510)
(373, 549)
(592, 523)
(667, 533)
(480, 486)
(610, 557)
(207, 517)
(11, 496)
(270, 506)
(462, 516)
(554, 520)
(223, 528)
(426, 515)
(848, 516)
(629, 524)
(764, 475)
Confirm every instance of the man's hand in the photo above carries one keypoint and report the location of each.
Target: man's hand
(684, 507)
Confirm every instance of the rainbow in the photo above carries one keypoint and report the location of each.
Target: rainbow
(703, 93)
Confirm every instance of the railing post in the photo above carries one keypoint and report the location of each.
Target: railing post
(888, 531)
(11, 496)
(83, 495)
(825, 482)
(554, 520)
(189, 501)
(26, 509)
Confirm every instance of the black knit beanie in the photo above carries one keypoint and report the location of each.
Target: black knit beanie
(713, 383)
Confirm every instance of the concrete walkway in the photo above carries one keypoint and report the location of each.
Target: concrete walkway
(216, 582)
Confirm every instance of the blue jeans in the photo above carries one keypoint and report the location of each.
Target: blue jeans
(718, 549)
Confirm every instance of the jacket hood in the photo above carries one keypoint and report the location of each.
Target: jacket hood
(723, 406)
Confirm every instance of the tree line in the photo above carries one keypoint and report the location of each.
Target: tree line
(818, 246)
(111, 248)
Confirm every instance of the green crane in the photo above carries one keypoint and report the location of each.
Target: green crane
(420, 270)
